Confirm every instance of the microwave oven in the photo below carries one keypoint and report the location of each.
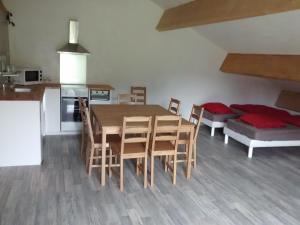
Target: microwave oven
(29, 76)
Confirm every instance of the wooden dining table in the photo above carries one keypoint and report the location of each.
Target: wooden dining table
(109, 118)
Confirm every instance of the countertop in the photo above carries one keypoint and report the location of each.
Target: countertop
(37, 91)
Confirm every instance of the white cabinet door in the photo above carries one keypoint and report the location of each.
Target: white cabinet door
(52, 111)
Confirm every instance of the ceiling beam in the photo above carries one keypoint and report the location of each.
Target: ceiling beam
(201, 12)
(283, 67)
(2, 7)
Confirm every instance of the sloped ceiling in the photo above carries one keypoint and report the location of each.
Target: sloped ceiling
(273, 34)
(165, 4)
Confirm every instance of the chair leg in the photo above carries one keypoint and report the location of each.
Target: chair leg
(195, 155)
(186, 153)
(91, 161)
(166, 162)
(82, 142)
(174, 168)
(87, 157)
(110, 162)
(145, 172)
(121, 174)
(137, 167)
(152, 171)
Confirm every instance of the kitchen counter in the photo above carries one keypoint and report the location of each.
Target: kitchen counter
(37, 91)
(24, 119)
(103, 87)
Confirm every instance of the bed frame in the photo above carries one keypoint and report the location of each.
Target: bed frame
(252, 143)
(213, 125)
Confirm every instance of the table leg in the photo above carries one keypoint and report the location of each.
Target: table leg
(103, 157)
(189, 162)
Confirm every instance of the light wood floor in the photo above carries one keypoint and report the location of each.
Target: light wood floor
(226, 188)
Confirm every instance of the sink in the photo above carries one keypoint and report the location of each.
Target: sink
(23, 90)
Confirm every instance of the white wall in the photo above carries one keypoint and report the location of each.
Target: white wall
(127, 50)
(4, 45)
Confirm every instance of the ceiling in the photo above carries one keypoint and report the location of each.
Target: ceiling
(165, 4)
(273, 34)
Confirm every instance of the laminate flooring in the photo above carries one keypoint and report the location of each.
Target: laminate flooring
(226, 188)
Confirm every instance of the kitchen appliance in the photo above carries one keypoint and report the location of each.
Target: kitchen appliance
(99, 97)
(73, 46)
(70, 113)
(73, 58)
(29, 76)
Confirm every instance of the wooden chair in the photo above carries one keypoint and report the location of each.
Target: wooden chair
(195, 118)
(174, 106)
(133, 145)
(165, 142)
(94, 147)
(127, 99)
(82, 106)
(141, 95)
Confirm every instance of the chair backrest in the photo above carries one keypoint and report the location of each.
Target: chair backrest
(127, 99)
(136, 130)
(89, 126)
(174, 106)
(166, 128)
(82, 106)
(196, 118)
(141, 95)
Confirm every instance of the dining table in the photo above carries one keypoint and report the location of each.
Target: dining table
(109, 119)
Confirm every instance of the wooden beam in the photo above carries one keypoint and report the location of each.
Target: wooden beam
(283, 67)
(2, 7)
(200, 12)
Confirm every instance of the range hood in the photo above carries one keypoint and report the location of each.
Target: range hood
(73, 47)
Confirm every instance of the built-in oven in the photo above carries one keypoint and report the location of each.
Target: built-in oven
(70, 109)
(70, 113)
(98, 97)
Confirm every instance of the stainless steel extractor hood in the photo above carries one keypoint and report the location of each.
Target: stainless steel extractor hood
(73, 46)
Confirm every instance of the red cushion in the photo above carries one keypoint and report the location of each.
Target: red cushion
(261, 109)
(294, 120)
(217, 108)
(262, 121)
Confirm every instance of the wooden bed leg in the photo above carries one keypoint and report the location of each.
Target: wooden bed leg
(226, 139)
(250, 152)
(212, 132)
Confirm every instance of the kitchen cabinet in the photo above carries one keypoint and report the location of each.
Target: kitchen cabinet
(51, 109)
(20, 132)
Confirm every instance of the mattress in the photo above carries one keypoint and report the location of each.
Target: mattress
(218, 117)
(279, 134)
(237, 111)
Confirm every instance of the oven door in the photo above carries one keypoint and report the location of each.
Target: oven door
(70, 114)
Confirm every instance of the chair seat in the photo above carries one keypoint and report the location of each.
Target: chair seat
(129, 148)
(109, 138)
(163, 146)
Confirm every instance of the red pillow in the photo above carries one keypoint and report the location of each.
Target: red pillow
(261, 109)
(262, 121)
(294, 120)
(217, 108)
